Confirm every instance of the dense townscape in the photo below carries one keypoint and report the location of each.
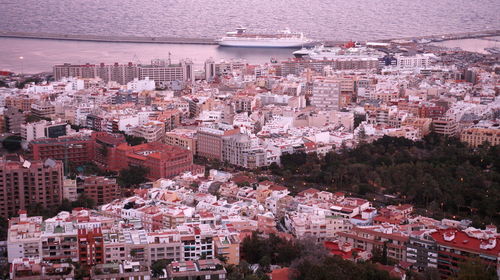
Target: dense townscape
(373, 161)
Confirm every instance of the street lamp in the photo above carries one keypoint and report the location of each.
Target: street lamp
(21, 58)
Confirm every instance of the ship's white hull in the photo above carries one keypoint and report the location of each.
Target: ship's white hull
(262, 43)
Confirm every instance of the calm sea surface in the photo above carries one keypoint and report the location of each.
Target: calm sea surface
(318, 19)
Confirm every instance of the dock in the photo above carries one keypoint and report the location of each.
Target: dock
(212, 41)
(112, 39)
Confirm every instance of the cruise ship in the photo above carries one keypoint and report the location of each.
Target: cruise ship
(281, 39)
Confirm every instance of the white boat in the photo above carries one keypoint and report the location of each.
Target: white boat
(353, 51)
(281, 39)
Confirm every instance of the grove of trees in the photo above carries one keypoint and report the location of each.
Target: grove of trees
(307, 259)
(441, 175)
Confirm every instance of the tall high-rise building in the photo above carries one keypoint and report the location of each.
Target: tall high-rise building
(120, 73)
(210, 70)
(70, 70)
(28, 183)
(163, 72)
(326, 95)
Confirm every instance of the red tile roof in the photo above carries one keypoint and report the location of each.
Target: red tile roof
(465, 242)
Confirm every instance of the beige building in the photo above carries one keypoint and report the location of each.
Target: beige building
(185, 138)
(69, 190)
(422, 124)
(43, 110)
(481, 133)
(445, 126)
(153, 131)
(228, 247)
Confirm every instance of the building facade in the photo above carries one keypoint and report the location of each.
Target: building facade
(29, 183)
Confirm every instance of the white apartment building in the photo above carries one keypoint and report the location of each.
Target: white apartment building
(417, 61)
(23, 237)
(141, 85)
(44, 129)
(317, 225)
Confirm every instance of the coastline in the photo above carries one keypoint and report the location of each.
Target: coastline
(212, 41)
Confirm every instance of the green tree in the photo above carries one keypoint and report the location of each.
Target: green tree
(12, 143)
(134, 140)
(475, 269)
(83, 201)
(132, 176)
(158, 266)
(431, 273)
(4, 227)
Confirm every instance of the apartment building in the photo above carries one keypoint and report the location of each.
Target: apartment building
(228, 247)
(70, 189)
(481, 133)
(59, 241)
(23, 237)
(72, 149)
(165, 245)
(37, 269)
(297, 66)
(152, 131)
(164, 72)
(455, 246)
(319, 226)
(445, 126)
(90, 246)
(421, 250)
(27, 183)
(114, 247)
(380, 236)
(43, 110)
(185, 138)
(44, 129)
(326, 95)
(100, 189)
(13, 118)
(210, 140)
(120, 73)
(201, 269)
(233, 148)
(125, 270)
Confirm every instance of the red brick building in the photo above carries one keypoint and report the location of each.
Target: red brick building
(99, 148)
(76, 150)
(162, 160)
(90, 246)
(25, 183)
(433, 112)
(101, 189)
(104, 147)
